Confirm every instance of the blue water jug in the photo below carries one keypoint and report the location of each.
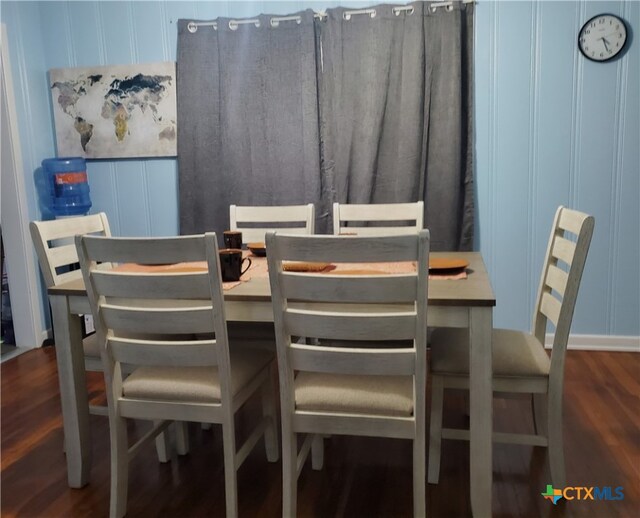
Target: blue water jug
(68, 186)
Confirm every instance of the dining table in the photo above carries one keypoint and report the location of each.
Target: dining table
(452, 302)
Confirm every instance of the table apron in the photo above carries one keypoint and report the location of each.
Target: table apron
(79, 305)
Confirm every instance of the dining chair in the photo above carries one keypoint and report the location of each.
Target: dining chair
(393, 213)
(520, 362)
(246, 219)
(53, 241)
(365, 385)
(203, 379)
(58, 258)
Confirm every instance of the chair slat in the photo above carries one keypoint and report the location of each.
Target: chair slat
(350, 326)
(392, 362)
(379, 231)
(71, 227)
(303, 215)
(556, 279)
(275, 214)
(146, 251)
(191, 285)
(550, 307)
(161, 353)
(563, 249)
(385, 212)
(348, 288)
(68, 276)
(158, 320)
(63, 255)
(378, 212)
(347, 249)
(53, 241)
(572, 220)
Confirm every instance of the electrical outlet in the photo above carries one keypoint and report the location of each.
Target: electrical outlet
(88, 324)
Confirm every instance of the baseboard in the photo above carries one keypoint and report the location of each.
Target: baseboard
(600, 343)
(45, 335)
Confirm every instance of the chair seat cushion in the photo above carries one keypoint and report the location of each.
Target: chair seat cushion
(194, 384)
(377, 395)
(515, 354)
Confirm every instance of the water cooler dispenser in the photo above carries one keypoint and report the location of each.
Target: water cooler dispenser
(67, 185)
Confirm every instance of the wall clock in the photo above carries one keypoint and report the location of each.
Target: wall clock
(603, 37)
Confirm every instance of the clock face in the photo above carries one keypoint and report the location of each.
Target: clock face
(602, 37)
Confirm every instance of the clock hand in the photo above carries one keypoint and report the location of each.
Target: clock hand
(606, 44)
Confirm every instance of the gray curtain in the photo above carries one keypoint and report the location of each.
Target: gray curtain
(354, 109)
(395, 108)
(247, 119)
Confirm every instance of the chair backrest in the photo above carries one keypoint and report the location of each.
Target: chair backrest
(379, 212)
(54, 244)
(156, 318)
(561, 274)
(255, 222)
(362, 309)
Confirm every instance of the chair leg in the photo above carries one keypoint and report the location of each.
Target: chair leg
(182, 437)
(419, 460)
(163, 446)
(435, 428)
(268, 395)
(230, 481)
(119, 467)
(289, 472)
(317, 452)
(540, 417)
(555, 450)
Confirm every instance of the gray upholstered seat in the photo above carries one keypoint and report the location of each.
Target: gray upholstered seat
(515, 353)
(195, 384)
(378, 395)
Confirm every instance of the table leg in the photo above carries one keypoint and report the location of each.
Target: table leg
(481, 410)
(73, 391)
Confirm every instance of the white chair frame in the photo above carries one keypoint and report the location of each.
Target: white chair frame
(175, 304)
(53, 241)
(378, 212)
(323, 307)
(556, 301)
(303, 215)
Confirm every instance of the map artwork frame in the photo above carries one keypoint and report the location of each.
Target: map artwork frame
(119, 111)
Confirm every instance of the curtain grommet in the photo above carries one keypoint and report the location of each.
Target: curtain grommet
(192, 27)
(398, 10)
(347, 14)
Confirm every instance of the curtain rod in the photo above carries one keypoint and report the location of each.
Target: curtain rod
(275, 20)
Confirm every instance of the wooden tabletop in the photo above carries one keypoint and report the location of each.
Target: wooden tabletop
(475, 290)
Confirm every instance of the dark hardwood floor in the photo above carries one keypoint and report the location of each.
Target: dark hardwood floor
(362, 477)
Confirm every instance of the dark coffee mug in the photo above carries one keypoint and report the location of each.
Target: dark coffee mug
(231, 264)
(232, 239)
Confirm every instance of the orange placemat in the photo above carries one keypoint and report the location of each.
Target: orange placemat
(198, 266)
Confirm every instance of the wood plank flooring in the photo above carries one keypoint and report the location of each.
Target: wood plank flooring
(362, 477)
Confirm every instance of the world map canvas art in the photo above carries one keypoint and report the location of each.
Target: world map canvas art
(115, 111)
